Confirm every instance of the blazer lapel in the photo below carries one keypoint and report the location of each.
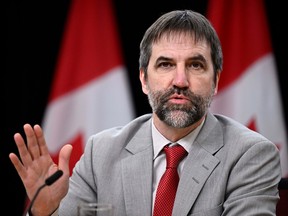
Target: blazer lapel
(137, 173)
(199, 165)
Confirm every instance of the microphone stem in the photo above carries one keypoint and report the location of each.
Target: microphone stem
(34, 198)
(49, 181)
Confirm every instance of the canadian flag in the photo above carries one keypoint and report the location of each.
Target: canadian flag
(90, 91)
(248, 87)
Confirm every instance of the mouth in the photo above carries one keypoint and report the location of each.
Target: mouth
(178, 99)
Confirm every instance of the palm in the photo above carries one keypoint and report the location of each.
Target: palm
(36, 165)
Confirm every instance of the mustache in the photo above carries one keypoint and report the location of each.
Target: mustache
(186, 92)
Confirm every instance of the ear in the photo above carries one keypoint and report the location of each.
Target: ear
(143, 81)
(216, 83)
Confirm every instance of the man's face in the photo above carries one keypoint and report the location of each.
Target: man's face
(180, 82)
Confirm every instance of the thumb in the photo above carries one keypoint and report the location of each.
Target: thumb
(64, 158)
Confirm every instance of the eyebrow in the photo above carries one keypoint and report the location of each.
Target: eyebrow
(199, 57)
(196, 57)
(163, 58)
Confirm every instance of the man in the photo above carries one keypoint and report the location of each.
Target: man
(228, 169)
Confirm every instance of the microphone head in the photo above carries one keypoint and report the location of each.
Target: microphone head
(50, 180)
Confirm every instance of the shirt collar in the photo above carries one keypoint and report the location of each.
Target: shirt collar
(159, 141)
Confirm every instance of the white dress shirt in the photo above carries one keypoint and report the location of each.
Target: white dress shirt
(159, 164)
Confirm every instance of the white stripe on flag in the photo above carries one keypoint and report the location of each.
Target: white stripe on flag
(102, 103)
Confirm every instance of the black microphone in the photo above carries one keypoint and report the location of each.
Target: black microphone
(283, 184)
(49, 181)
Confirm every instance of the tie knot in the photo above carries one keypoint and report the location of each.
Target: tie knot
(174, 155)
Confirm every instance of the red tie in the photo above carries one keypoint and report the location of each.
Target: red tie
(167, 187)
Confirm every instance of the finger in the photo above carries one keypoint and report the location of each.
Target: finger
(41, 140)
(18, 165)
(22, 149)
(64, 158)
(32, 141)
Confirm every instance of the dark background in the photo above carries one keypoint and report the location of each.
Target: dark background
(32, 36)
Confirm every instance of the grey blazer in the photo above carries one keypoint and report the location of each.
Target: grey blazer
(230, 170)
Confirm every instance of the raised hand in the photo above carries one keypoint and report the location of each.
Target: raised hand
(35, 165)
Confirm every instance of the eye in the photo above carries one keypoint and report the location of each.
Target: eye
(165, 65)
(196, 66)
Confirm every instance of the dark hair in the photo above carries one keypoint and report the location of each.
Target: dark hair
(181, 21)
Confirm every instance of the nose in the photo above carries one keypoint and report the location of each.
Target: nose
(180, 78)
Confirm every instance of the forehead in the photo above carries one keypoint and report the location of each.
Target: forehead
(182, 43)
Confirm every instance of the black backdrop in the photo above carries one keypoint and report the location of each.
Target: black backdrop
(32, 33)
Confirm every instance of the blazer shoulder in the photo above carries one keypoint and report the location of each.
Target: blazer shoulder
(233, 127)
(140, 126)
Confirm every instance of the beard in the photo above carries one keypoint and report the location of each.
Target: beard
(179, 115)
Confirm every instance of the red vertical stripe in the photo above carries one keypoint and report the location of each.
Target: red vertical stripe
(90, 45)
(89, 79)
(243, 31)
